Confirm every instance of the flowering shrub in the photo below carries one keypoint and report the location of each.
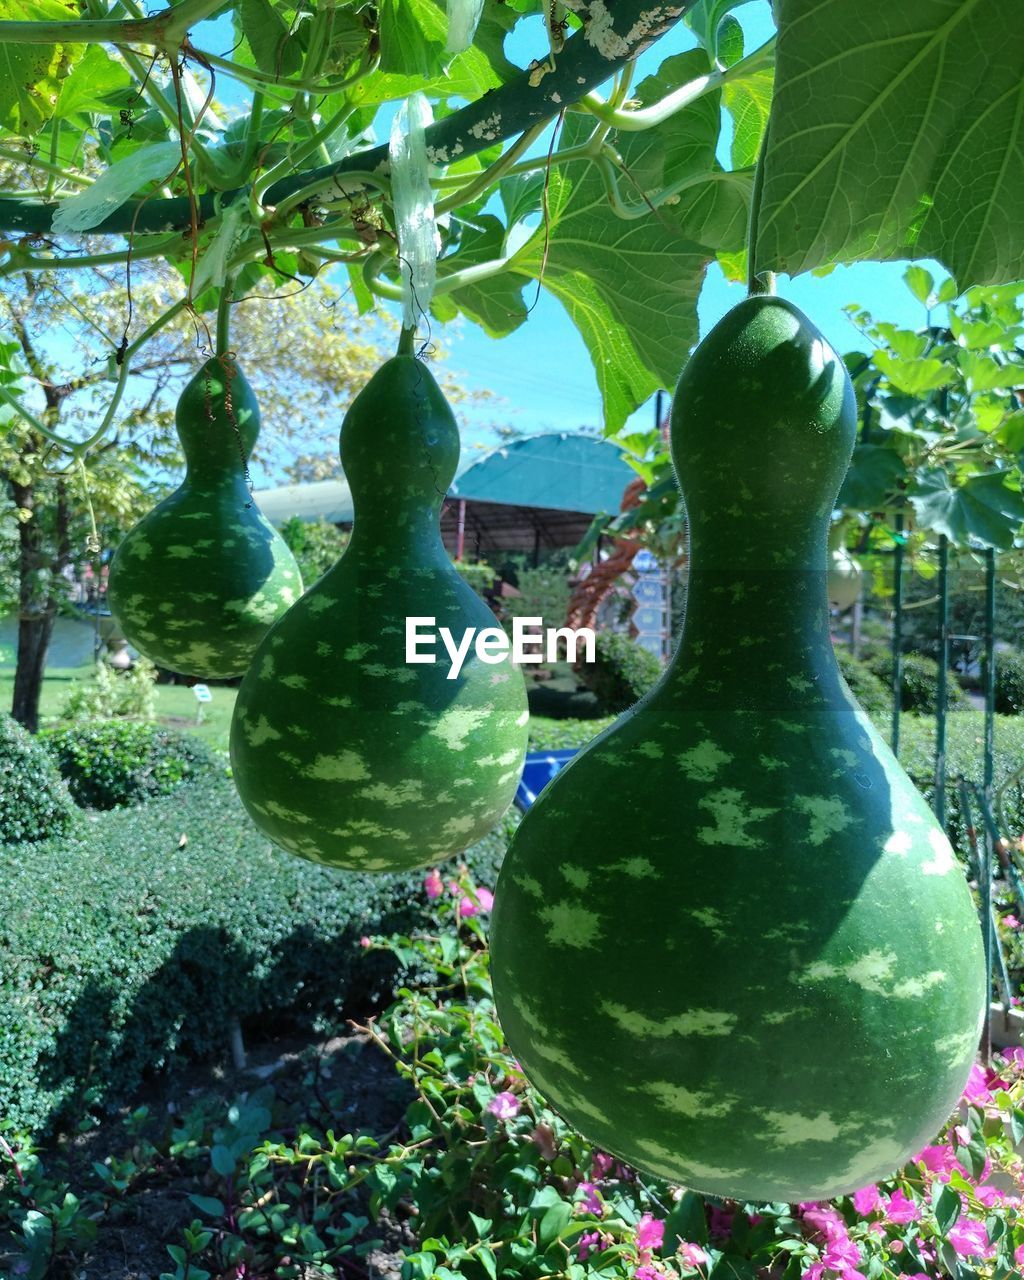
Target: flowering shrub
(482, 1180)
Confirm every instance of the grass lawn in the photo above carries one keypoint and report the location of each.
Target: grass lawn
(176, 705)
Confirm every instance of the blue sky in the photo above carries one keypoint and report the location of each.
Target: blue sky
(541, 375)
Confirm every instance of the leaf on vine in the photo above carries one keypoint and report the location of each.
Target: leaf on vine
(495, 303)
(28, 72)
(914, 376)
(748, 101)
(987, 508)
(86, 88)
(276, 50)
(983, 373)
(630, 285)
(843, 183)
(412, 38)
(114, 187)
(875, 474)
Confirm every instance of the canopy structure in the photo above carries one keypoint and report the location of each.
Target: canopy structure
(533, 494)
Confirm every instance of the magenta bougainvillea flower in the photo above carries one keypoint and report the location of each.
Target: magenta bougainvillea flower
(504, 1105)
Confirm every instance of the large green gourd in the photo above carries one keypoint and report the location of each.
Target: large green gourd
(342, 751)
(730, 943)
(195, 584)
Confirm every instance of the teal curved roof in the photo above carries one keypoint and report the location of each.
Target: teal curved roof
(557, 471)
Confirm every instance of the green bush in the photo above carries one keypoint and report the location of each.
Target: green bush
(558, 735)
(109, 694)
(154, 927)
(34, 799)
(122, 762)
(865, 686)
(621, 672)
(1010, 682)
(919, 688)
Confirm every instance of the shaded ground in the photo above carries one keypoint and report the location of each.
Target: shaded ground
(352, 1081)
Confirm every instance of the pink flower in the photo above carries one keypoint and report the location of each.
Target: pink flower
(1011, 922)
(591, 1200)
(939, 1160)
(824, 1219)
(364, 941)
(692, 1254)
(841, 1255)
(589, 1242)
(432, 883)
(899, 1208)
(719, 1222)
(976, 1089)
(600, 1165)
(915, 1275)
(504, 1105)
(866, 1200)
(1018, 1255)
(988, 1196)
(970, 1239)
(816, 1271)
(646, 1272)
(484, 902)
(650, 1232)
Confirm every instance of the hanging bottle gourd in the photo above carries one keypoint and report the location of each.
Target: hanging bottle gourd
(195, 584)
(730, 943)
(342, 750)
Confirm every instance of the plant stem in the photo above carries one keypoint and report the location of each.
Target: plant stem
(33, 162)
(658, 112)
(487, 177)
(165, 29)
(763, 282)
(505, 112)
(224, 317)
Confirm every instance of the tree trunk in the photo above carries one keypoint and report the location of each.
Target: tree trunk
(36, 615)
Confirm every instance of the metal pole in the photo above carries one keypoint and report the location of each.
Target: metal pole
(897, 636)
(984, 860)
(941, 693)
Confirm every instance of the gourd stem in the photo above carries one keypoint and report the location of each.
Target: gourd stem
(407, 342)
(757, 282)
(224, 317)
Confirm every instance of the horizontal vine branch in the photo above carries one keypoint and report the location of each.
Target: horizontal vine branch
(587, 60)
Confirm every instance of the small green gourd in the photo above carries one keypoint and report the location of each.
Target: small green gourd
(730, 943)
(341, 750)
(195, 584)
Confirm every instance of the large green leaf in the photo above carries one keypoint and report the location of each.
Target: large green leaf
(276, 49)
(412, 36)
(631, 284)
(630, 287)
(987, 508)
(914, 376)
(748, 101)
(496, 302)
(917, 156)
(87, 87)
(875, 474)
(28, 72)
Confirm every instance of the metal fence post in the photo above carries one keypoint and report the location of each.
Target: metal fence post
(941, 693)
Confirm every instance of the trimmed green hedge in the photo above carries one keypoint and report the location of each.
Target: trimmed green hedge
(34, 801)
(920, 683)
(136, 939)
(870, 692)
(1010, 682)
(121, 762)
(621, 672)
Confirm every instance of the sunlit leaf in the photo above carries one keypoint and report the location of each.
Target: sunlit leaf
(986, 508)
(915, 377)
(917, 156)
